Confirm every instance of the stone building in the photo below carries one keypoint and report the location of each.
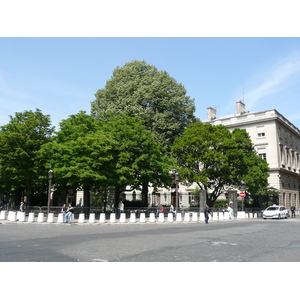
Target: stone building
(275, 139)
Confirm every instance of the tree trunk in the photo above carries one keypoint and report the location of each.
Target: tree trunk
(145, 195)
(117, 196)
(86, 196)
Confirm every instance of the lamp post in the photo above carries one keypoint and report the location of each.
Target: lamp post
(243, 189)
(50, 176)
(176, 177)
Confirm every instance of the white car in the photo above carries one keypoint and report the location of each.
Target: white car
(275, 211)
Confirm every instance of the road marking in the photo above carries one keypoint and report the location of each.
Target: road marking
(99, 260)
(223, 243)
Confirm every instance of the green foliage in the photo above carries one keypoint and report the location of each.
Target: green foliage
(120, 152)
(80, 153)
(138, 158)
(215, 159)
(139, 89)
(20, 141)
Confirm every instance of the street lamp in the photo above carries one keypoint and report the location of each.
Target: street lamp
(176, 176)
(50, 176)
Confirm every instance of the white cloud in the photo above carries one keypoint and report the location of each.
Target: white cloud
(278, 78)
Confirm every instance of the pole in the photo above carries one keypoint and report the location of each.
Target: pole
(176, 194)
(50, 175)
(49, 196)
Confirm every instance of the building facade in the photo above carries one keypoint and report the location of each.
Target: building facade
(276, 140)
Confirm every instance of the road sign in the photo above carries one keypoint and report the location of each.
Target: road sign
(242, 194)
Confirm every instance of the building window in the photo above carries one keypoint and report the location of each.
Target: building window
(261, 134)
(263, 155)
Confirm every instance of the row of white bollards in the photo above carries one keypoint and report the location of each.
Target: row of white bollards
(187, 217)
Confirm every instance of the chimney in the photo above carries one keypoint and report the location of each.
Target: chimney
(211, 113)
(240, 107)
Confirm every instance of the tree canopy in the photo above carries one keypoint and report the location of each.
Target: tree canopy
(140, 89)
(89, 154)
(216, 159)
(21, 169)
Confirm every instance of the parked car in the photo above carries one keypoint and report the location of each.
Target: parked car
(275, 211)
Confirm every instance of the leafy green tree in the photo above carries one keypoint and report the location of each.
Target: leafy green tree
(216, 159)
(91, 155)
(80, 154)
(21, 171)
(139, 89)
(138, 158)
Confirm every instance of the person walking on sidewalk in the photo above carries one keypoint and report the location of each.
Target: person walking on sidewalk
(293, 208)
(206, 213)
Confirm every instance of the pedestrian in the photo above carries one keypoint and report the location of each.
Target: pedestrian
(162, 210)
(69, 213)
(157, 210)
(172, 210)
(230, 211)
(293, 208)
(206, 213)
(22, 206)
(120, 209)
(64, 211)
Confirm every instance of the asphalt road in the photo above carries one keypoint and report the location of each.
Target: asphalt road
(254, 240)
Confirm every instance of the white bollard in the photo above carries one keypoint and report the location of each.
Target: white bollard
(40, 218)
(81, 218)
(243, 215)
(152, 218)
(170, 217)
(22, 216)
(226, 215)
(142, 217)
(239, 215)
(195, 217)
(187, 217)
(92, 218)
(102, 218)
(161, 217)
(202, 216)
(12, 216)
(122, 218)
(30, 217)
(50, 218)
(215, 216)
(255, 216)
(250, 215)
(221, 216)
(132, 217)
(179, 217)
(60, 218)
(3, 215)
(112, 218)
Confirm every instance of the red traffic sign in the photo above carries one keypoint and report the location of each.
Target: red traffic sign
(242, 194)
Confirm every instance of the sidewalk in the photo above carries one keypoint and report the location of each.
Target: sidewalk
(103, 219)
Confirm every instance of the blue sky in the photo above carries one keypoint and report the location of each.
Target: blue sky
(55, 55)
(61, 75)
